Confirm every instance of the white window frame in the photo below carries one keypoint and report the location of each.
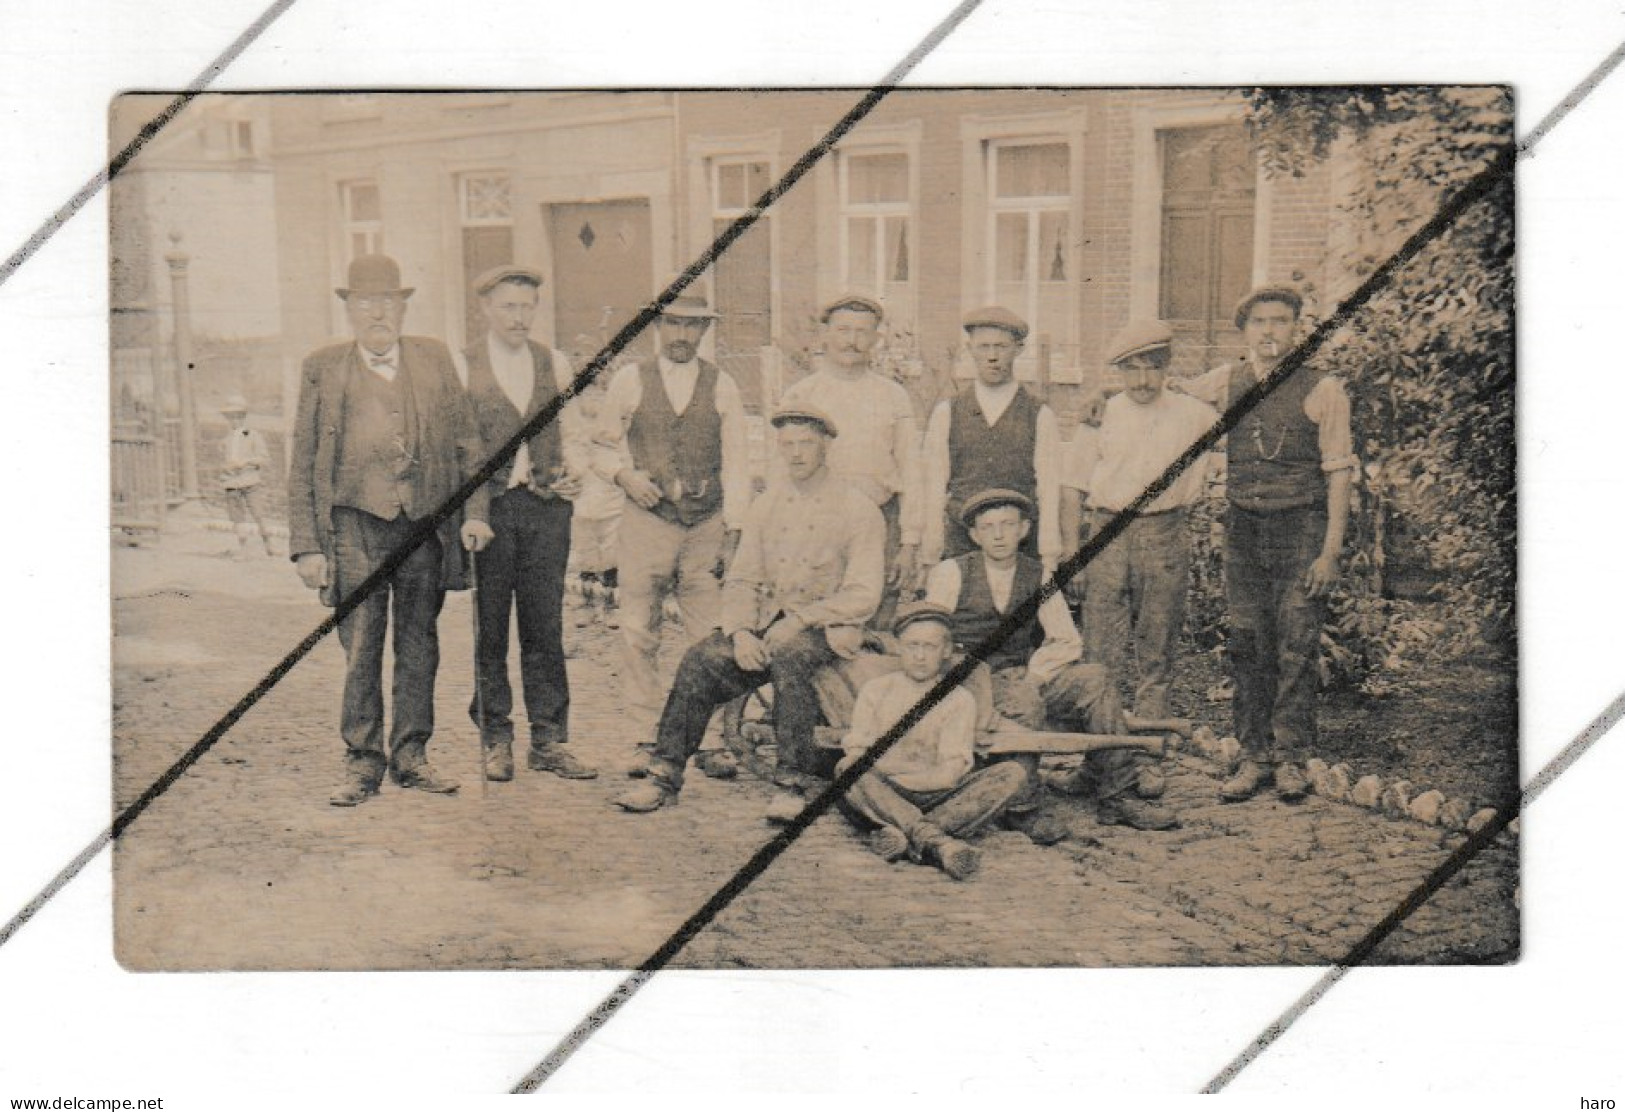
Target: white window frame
(350, 227)
(464, 220)
(714, 168)
(1033, 207)
(875, 213)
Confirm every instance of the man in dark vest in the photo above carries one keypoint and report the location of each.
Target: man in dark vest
(511, 378)
(677, 426)
(992, 436)
(1291, 465)
(1039, 680)
(383, 437)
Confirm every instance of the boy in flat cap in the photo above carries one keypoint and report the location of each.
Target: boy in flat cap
(994, 435)
(1134, 590)
(1291, 469)
(925, 793)
(510, 379)
(677, 425)
(1038, 678)
(383, 436)
(805, 579)
(242, 474)
(878, 449)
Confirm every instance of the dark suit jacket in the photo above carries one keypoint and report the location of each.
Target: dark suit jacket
(449, 447)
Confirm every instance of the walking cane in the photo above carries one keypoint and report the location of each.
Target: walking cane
(479, 688)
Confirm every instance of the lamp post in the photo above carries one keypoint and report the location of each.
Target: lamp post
(178, 261)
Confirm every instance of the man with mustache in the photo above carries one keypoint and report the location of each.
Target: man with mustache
(877, 451)
(1134, 590)
(1291, 467)
(993, 436)
(677, 427)
(383, 436)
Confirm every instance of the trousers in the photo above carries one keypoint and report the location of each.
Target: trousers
(977, 800)
(1080, 698)
(522, 570)
(412, 596)
(658, 558)
(1274, 629)
(1134, 597)
(709, 676)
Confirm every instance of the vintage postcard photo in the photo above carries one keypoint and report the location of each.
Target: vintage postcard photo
(582, 482)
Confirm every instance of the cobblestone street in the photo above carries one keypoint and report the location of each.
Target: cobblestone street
(244, 865)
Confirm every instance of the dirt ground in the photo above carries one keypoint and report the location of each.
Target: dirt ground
(244, 865)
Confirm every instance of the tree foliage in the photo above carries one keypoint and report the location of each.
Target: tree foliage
(1429, 363)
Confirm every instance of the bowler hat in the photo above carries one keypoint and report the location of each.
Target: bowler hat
(924, 610)
(1286, 295)
(989, 499)
(996, 316)
(371, 274)
(690, 305)
(508, 272)
(852, 301)
(805, 414)
(1139, 337)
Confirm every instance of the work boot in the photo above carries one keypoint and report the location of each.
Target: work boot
(784, 807)
(1290, 782)
(424, 778)
(638, 767)
(552, 757)
(953, 857)
(498, 756)
(888, 843)
(1150, 782)
(1136, 814)
(647, 795)
(1043, 828)
(718, 764)
(355, 792)
(1246, 782)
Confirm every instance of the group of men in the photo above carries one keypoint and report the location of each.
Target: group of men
(860, 515)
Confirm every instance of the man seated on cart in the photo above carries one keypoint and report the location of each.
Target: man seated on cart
(806, 577)
(1038, 680)
(925, 793)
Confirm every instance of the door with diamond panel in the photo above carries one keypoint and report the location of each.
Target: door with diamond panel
(602, 265)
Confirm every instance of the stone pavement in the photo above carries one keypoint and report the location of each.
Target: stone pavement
(243, 865)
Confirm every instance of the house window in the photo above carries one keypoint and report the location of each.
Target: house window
(1030, 214)
(876, 225)
(743, 274)
(485, 212)
(1209, 181)
(361, 210)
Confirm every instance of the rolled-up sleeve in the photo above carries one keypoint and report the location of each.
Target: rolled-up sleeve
(1328, 407)
(620, 402)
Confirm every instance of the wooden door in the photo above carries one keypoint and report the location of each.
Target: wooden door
(602, 262)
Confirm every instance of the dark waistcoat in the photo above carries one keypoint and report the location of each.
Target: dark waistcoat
(681, 453)
(976, 616)
(982, 458)
(499, 418)
(378, 448)
(1274, 453)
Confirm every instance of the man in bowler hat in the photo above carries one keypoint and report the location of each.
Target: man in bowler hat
(383, 436)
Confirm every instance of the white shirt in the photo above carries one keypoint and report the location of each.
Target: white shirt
(1062, 645)
(385, 366)
(626, 394)
(1137, 443)
(937, 467)
(877, 450)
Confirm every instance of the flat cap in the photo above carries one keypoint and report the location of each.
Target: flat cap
(988, 499)
(911, 613)
(691, 306)
(494, 277)
(1139, 337)
(1286, 295)
(802, 413)
(373, 274)
(996, 316)
(852, 301)
(234, 403)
